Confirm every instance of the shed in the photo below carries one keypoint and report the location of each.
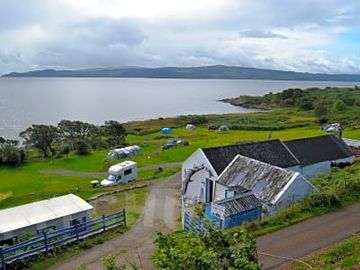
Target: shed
(234, 211)
(34, 218)
(166, 130)
(190, 127)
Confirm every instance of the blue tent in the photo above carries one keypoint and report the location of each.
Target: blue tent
(166, 131)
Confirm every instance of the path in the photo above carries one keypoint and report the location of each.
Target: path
(301, 239)
(104, 174)
(161, 213)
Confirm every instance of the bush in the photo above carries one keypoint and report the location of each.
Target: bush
(82, 148)
(11, 155)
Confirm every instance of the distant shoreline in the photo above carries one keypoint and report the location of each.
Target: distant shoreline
(203, 72)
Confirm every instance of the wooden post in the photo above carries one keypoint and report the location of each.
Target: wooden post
(124, 215)
(46, 242)
(104, 225)
(3, 264)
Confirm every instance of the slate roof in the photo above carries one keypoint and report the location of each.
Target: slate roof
(265, 181)
(273, 152)
(317, 149)
(239, 204)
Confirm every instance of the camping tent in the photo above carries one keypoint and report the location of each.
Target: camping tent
(223, 128)
(190, 127)
(166, 131)
(124, 152)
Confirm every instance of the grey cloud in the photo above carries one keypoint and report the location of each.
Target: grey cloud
(111, 32)
(260, 34)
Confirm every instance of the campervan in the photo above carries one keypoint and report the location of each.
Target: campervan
(120, 173)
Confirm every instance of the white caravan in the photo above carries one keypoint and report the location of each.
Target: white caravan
(120, 173)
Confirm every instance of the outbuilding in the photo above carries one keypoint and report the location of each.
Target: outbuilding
(34, 218)
(231, 212)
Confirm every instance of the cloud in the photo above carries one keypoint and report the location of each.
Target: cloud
(302, 35)
(260, 34)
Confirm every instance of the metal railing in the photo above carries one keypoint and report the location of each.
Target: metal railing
(50, 240)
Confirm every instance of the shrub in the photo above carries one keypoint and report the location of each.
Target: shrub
(82, 148)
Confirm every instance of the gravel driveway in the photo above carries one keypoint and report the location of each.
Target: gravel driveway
(161, 213)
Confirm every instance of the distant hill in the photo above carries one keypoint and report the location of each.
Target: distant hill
(205, 72)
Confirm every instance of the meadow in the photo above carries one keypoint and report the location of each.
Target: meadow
(34, 179)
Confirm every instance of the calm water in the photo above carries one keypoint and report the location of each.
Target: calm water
(27, 101)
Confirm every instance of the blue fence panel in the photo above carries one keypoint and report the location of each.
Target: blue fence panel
(60, 237)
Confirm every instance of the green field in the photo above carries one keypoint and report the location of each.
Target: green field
(28, 182)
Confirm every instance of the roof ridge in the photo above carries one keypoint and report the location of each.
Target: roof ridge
(309, 138)
(241, 143)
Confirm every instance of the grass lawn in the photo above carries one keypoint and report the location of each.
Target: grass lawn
(344, 255)
(27, 183)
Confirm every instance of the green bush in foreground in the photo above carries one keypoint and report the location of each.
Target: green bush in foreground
(215, 250)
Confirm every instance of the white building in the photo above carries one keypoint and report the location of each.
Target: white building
(33, 218)
(273, 186)
(202, 171)
(308, 156)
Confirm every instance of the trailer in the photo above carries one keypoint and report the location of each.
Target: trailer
(121, 173)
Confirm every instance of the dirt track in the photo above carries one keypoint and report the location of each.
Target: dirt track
(161, 214)
(303, 238)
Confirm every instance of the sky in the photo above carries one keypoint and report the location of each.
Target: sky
(298, 35)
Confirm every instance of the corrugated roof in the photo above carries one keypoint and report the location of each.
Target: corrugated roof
(266, 181)
(38, 212)
(273, 152)
(317, 149)
(239, 204)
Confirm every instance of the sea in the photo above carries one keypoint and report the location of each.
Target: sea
(27, 101)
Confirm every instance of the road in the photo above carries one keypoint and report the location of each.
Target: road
(161, 213)
(301, 239)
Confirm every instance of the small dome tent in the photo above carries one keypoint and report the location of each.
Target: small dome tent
(166, 131)
(190, 127)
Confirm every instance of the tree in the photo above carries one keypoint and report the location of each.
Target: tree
(41, 137)
(321, 110)
(115, 133)
(339, 106)
(73, 131)
(215, 250)
(10, 154)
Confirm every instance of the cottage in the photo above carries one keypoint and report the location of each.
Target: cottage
(318, 154)
(211, 162)
(34, 218)
(275, 187)
(276, 172)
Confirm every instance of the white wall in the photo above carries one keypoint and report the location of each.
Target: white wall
(194, 188)
(219, 192)
(60, 223)
(297, 189)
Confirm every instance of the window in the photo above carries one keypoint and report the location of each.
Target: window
(74, 222)
(127, 172)
(83, 220)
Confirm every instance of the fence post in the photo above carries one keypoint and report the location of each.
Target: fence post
(124, 215)
(46, 242)
(3, 264)
(104, 225)
(77, 231)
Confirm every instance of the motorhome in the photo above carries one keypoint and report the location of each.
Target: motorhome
(121, 173)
